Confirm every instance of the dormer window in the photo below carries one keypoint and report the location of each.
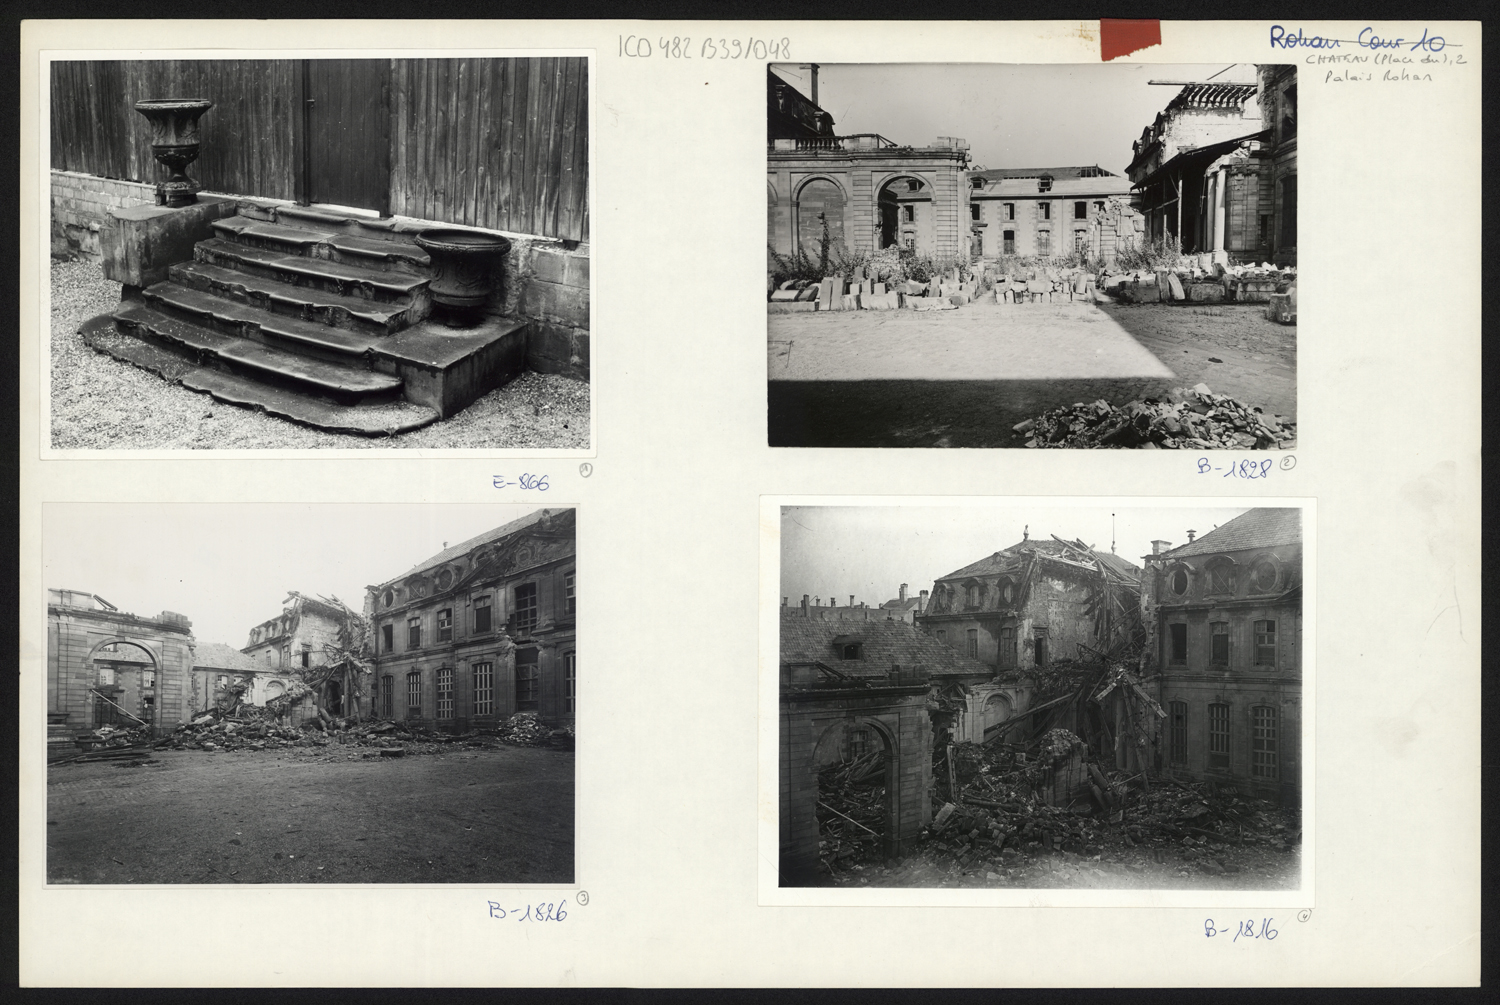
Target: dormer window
(1044, 183)
(849, 648)
(971, 595)
(1221, 578)
(1177, 582)
(1264, 577)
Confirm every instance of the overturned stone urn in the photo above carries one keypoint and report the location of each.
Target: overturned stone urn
(464, 268)
(174, 143)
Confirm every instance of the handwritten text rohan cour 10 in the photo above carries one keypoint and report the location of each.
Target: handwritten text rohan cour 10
(1282, 38)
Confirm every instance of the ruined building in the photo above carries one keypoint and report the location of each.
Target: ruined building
(1050, 211)
(863, 191)
(1225, 611)
(1217, 168)
(299, 640)
(482, 630)
(105, 666)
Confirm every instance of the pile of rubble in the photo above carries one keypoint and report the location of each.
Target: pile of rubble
(1000, 814)
(525, 729)
(1196, 418)
(851, 812)
(1199, 280)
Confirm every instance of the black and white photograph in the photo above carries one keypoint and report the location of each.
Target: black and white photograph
(1028, 695)
(1032, 256)
(329, 711)
(316, 253)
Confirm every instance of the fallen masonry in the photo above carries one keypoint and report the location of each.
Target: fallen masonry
(1193, 418)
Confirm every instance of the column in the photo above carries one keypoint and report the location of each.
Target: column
(1220, 181)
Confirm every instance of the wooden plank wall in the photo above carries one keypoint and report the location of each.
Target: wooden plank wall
(247, 135)
(495, 143)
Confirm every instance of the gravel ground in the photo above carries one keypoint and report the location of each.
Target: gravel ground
(100, 402)
(325, 815)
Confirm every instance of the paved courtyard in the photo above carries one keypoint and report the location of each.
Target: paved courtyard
(321, 815)
(964, 377)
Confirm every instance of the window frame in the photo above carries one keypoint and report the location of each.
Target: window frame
(445, 693)
(483, 674)
(388, 636)
(1040, 647)
(414, 694)
(484, 611)
(388, 697)
(1080, 210)
(1214, 635)
(570, 681)
(1044, 210)
(527, 615)
(414, 633)
(570, 593)
(1177, 713)
(1218, 736)
(972, 641)
(1265, 748)
(529, 682)
(1177, 632)
(444, 625)
(1265, 642)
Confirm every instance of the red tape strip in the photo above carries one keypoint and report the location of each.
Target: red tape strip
(1118, 37)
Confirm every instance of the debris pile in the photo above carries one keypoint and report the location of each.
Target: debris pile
(525, 729)
(851, 812)
(1195, 418)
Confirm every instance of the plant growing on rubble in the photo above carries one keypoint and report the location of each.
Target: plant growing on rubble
(1161, 253)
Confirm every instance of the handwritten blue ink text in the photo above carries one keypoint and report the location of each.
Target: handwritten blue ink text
(527, 482)
(530, 912)
(1244, 929)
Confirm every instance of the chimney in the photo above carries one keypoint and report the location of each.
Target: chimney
(1157, 547)
(903, 593)
(817, 601)
(1191, 534)
(923, 605)
(851, 600)
(783, 601)
(814, 68)
(804, 605)
(832, 600)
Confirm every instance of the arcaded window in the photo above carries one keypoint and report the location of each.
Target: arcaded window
(414, 695)
(387, 696)
(528, 687)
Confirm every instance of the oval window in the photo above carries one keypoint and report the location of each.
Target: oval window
(1180, 582)
(445, 579)
(1265, 577)
(1007, 591)
(390, 598)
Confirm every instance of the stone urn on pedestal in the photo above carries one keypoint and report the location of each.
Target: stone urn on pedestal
(174, 143)
(464, 267)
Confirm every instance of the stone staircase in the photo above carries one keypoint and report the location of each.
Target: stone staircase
(311, 316)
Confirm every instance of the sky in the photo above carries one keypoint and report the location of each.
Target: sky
(870, 551)
(1013, 115)
(229, 566)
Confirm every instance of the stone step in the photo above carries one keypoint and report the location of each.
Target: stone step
(357, 226)
(211, 347)
(335, 277)
(305, 302)
(384, 253)
(239, 319)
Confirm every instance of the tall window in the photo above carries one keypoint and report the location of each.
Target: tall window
(1043, 243)
(387, 637)
(526, 607)
(1007, 647)
(1046, 210)
(1080, 211)
(414, 633)
(971, 596)
(1263, 742)
(1010, 211)
(1009, 241)
(414, 695)
(482, 619)
(1178, 747)
(973, 211)
(570, 682)
(528, 689)
(570, 594)
(445, 625)
(1265, 643)
(942, 636)
(1218, 736)
(857, 743)
(974, 643)
(1040, 641)
(1289, 212)
(306, 656)
(388, 696)
(445, 693)
(484, 689)
(1178, 640)
(1220, 634)
(908, 214)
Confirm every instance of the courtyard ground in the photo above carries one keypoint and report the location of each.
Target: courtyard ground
(314, 815)
(963, 378)
(98, 401)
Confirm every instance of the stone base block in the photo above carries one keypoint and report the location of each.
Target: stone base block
(447, 369)
(1205, 293)
(790, 307)
(139, 243)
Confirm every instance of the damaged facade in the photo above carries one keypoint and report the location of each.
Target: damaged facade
(1226, 618)
(482, 630)
(108, 667)
(1217, 169)
(310, 630)
(1050, 211)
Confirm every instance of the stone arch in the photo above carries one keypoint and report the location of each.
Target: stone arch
(886, 224)
(890, 840)
(808, 212)
(123, 696)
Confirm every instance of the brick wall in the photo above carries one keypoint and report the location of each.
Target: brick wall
(80, 205)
